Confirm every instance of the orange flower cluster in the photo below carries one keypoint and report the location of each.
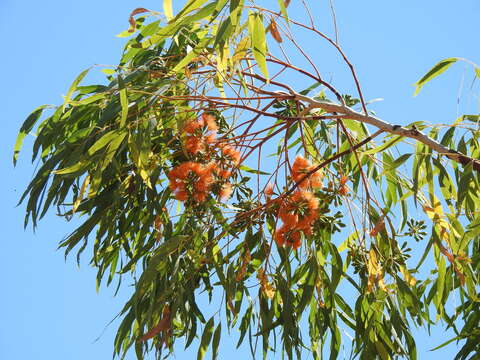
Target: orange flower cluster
(231, 153)
(302, 167)
(298, 212)
(268, 191)
(196, 141)
(342, 189)
(194, 179)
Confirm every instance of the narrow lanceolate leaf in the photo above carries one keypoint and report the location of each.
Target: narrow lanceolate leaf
(74, 86)
(131, 19)
(105, 140)
(216, 341)
(191, 6)
(124, 103)
(192, 54)
(384, 146)
(80, 166)
(283, 9)
(206, 337)
(81, 194)
(167, 9)
(438, 69)
(25, 129)
(259, 42)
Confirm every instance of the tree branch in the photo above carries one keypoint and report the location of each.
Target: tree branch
(413, 133)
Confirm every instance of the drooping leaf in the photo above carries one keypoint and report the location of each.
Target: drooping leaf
(259, 42)
(206, 337)
(438, 69)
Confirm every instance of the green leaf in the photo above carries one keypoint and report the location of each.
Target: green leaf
(456, 338)
(259, 42)
(253, 171)
(236, 7)
(191, 6)
(105, 140)
(216, 341)
(283, 10)
(205, 341)
(438, 69)
(384, 146)
(472, 118)
(176, 24)
(192, 54)
(80, 166)
(25, 129)
(477, 71)
(123, 101)
(73, 87)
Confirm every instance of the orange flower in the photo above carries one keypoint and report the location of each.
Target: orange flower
(298, 213)
(200, 196)
(315, 180)
(193, 125)
(300, 168)
(204, 183)
(233, 154)
(285, 236)
(210, 139)
(210, 121)
(300, 164)
(225, 174)
(287, 215)
(343, 190)
(210, 168)
(226, 191)
(294, 239)
(279, 236)
(181, 195)
(194, 145)
(201, 181)
(268, 190)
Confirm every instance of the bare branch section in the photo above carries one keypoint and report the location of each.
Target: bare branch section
(347, 112)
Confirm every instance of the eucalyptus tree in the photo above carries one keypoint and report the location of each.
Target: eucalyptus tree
(235, 200)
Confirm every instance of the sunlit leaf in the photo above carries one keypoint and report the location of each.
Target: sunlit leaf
(259, 42)
(438, 69)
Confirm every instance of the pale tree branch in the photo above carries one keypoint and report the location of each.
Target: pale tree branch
(413, 133)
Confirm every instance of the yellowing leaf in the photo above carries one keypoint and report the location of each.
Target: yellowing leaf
(436, 212)
(243, 270)
(372, 263)
(409, 279)
(373, 270)
(82, 192)
(267, 288)
(241, 49)
(381, 282)
(145, 177)
(167, 9)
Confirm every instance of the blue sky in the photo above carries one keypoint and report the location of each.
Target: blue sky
(50, 309)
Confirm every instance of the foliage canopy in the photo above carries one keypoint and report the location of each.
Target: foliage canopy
(166, 167)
